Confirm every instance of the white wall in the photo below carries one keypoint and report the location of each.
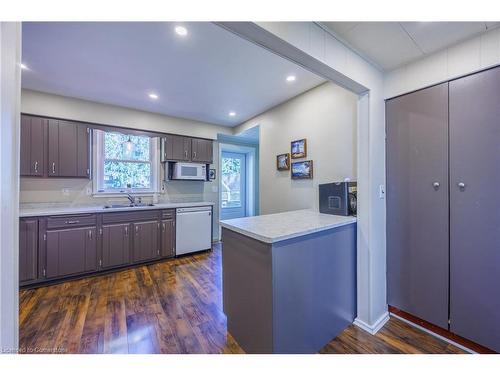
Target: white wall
(326, 117)
(50, 190)
(10, 83)
(470, 56)
(316, 49)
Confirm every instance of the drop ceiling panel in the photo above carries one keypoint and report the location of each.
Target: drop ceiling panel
(385, 42)
(433, 36)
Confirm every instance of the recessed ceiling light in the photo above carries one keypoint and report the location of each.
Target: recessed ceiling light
(181, 30)
(24, 66)
(290, 78)
(153, 96)
(232, 114)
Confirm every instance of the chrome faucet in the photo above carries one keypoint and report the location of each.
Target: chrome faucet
(131, 199)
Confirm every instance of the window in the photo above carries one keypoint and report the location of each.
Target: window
(233, 180)
(125, 163)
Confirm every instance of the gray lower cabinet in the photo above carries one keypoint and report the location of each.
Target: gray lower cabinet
(475, 207)
(417, 204)
(167, 238)
(70, 251)
(28, 250)
(146, 245)
(115, 245)
(61, 246)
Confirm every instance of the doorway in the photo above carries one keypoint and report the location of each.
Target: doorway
(233, 185)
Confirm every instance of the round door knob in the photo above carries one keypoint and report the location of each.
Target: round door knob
(436, 185)
(461, 185)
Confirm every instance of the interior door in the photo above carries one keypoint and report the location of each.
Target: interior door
(475, 207)
(233, 185)
(417, 204)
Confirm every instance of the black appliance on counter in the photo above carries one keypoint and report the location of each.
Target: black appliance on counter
(338, 198)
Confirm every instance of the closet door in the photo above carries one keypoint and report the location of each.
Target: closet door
(475, 207)
(417, 203)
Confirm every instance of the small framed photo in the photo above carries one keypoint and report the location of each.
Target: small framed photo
(299, 149)
(302, 170)
(283, 162)
(211, 174)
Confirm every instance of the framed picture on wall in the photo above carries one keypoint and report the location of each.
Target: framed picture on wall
(299, 148)
(283, 162)
(302, 170)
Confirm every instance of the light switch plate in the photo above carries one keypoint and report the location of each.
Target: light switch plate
(381, 191)
(214, 189)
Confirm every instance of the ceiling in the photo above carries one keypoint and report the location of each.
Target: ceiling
(202, 76)
(390, 45)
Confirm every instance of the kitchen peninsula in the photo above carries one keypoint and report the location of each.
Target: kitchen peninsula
(289, 280)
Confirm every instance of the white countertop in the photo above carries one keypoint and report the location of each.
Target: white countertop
(285, 225)
(42, 209)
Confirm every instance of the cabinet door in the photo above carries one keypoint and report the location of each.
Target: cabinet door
(28, 250)
(71, 251)
(202, 150)
(25, 147)
(474, 209)
(33, 148)
(178, 147)
(167, 238)
(83, 151)
(115, 245)
(146, 240)
(69, 149)
(417, 204)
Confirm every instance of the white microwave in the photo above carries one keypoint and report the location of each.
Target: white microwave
(189, 171)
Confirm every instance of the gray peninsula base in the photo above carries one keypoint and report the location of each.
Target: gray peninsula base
(292, 296)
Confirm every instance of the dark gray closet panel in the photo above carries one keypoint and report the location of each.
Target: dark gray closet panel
(417, 203)
(475, 207)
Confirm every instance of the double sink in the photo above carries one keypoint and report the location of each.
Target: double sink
(129, 205)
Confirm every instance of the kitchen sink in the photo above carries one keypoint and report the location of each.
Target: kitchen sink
(129, 205)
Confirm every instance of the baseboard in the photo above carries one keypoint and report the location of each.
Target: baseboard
(464, 348)
(375, 327)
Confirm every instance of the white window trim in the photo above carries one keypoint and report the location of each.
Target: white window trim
(98, 175)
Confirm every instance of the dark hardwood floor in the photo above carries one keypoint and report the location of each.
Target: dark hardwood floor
(169, 307)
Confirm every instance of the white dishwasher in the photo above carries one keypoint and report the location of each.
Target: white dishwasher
(193, 229)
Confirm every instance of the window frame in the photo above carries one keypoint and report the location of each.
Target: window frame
(99, 159)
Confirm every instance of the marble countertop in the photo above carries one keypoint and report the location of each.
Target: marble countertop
(42, 209)
(285, 225)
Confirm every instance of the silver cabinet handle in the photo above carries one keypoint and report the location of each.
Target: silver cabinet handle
(90, 233)
(126, 231)
(194, 154)
(164, 227)
(436, 185)
(53, 167)
(185, 153)
(136, 229)
(461, 185)
(72, 221)
(36, 167)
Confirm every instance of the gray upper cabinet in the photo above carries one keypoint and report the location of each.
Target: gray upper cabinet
(69, 149)
(146, 245)
(115, 245)
(177, 147)
(417, 203)
(33, 146)
(28, 250)
(181, 148)
(474, 209)
(70, 251)
(202, 150)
